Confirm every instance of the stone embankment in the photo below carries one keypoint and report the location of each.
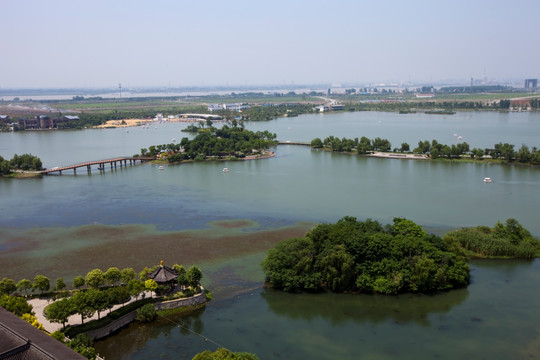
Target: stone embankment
(129, 317)
(177, 303)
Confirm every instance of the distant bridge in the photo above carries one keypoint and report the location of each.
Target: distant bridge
(122, 161)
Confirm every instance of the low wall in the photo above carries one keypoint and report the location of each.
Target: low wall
(129, 317)
(110, 328)
(173, 304)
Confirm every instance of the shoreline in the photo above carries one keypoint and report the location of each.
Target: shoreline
(125, 123)
(389, 155)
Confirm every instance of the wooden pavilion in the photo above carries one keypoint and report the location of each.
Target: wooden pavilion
(164, 275)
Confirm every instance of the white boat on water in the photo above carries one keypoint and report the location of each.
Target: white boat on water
(487, 179)
(160, 167)
(225, 170)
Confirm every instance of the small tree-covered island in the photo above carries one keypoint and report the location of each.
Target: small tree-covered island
(213, 144)
(20, 164)
(366, 257)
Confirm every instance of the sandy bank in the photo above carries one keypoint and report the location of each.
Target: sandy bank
(123, 123)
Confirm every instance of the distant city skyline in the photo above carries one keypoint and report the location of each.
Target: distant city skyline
(99, 44)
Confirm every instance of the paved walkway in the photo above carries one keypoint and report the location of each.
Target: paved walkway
(39, 305)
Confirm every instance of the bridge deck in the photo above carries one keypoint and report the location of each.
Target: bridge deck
(88, 164)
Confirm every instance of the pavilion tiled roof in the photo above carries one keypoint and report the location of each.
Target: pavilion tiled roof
(163, 274)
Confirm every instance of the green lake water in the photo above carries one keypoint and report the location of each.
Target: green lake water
(497, 316)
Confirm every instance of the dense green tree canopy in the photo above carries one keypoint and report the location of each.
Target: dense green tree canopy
(7, 286)
(365, 257)
(15, 304)
(434, 149)
(20, 162)
(24, 285)
(95, 278)
(194, 275)
(59, 311)
(78, 282)
(150, 285)
(5, 166)
(127, 275)
(147, 313)
(60, 284)
(41, 283)
(82, 305)
(113, 275)
(26, 162)
(316, 143)
(225, 142)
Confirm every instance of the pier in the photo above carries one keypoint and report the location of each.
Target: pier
(113, 163)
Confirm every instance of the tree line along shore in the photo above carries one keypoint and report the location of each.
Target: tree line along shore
(236, 142)
(95, 111)
(211, 143)
(434, 150)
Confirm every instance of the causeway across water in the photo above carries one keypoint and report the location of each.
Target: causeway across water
(122, 161)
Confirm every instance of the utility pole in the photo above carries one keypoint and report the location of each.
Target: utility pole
(120, 88)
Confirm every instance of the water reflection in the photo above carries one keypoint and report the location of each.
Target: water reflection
(162, 334)
(496, 317)
(341, 308)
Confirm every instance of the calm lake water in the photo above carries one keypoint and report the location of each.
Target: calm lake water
(496, 317)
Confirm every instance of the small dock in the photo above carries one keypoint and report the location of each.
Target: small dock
(101, 164)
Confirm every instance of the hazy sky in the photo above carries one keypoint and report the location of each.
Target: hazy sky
(100, 43)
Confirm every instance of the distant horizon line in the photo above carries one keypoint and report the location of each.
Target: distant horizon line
(318, 86)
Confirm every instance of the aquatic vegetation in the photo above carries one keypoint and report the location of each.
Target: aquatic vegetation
(503, 240)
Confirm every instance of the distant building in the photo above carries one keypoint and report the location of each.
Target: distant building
(235, 107)
(28, 124)
(232, 107)
(531, 84)
(44, 122)
(425, 96)
(322, 108)
(200, 116)
(330, 107)
(215, 107)
(520, 105)
(4, 119)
